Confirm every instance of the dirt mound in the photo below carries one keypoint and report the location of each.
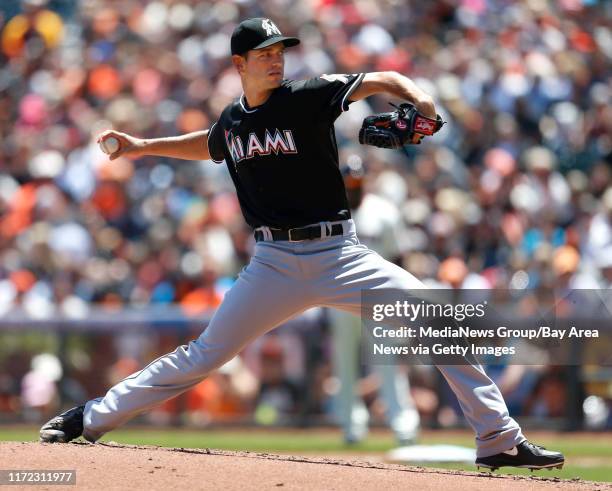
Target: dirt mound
(113, 466)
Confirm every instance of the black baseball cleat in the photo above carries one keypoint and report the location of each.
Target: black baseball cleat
(63, 428)
(525, 455)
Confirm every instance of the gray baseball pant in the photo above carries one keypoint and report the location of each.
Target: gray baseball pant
(394, 389)
(283, 279)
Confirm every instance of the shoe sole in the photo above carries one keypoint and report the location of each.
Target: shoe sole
(52, 436)
(550, 467)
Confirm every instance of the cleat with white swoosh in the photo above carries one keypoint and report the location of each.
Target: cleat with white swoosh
(525, 455)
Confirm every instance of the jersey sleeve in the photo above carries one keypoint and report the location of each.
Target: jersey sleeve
(215, 143)
(330, 93)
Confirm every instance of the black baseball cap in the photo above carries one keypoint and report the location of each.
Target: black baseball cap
(257, 33)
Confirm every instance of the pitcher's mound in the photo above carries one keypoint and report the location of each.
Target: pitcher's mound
(113, 466)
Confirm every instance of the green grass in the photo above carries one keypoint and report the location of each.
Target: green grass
(589, 457)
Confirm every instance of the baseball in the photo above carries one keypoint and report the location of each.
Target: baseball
(109, 145)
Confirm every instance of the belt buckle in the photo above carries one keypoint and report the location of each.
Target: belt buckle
(289, 234)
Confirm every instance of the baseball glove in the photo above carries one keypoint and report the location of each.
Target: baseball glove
(405, 125)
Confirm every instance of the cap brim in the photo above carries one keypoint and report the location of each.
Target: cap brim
(287, 41)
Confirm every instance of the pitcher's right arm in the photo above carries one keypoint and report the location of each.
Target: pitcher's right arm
(190, 146)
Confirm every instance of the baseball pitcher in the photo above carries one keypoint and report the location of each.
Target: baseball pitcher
(278, 143)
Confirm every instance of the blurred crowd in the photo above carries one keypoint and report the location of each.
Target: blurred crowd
(515, 191)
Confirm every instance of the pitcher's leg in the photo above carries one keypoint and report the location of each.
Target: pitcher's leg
(484, 408)
(262, 298)
(480, 399)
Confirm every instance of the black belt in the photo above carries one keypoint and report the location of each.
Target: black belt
(302, 233)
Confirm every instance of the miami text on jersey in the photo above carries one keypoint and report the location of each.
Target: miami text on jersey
(273, 143)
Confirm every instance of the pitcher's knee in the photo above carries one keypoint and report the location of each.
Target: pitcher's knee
(187, 363)
(200, 358)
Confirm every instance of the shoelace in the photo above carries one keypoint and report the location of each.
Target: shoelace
(534, 445)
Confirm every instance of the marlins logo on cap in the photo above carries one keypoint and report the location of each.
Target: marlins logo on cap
(270, 27)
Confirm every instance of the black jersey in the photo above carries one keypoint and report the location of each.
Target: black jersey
(283, 156)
